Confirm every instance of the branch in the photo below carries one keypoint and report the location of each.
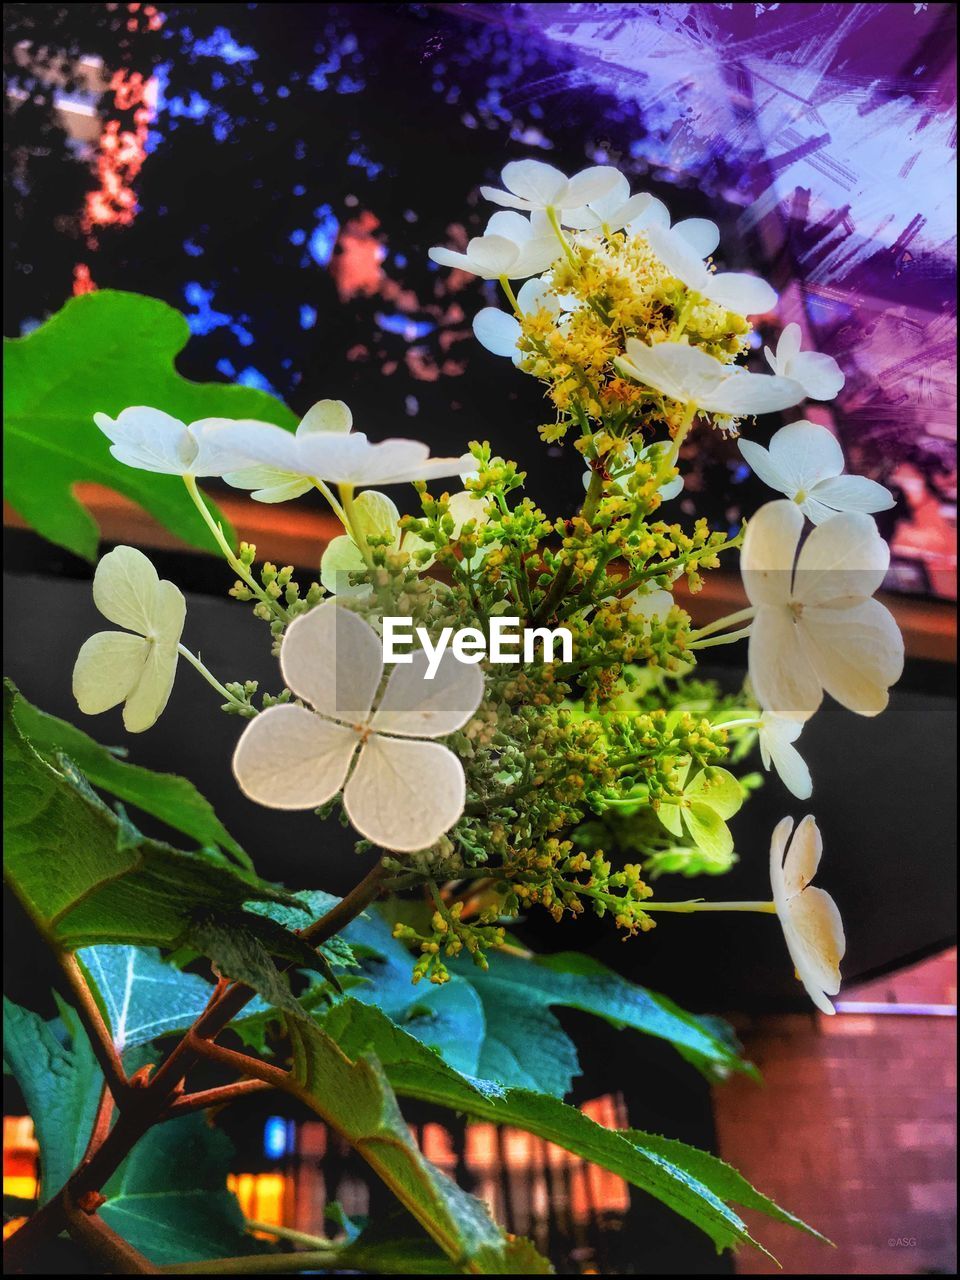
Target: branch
(212, 1097)
(147, 1106)
(99, 1033)
(117, 1257)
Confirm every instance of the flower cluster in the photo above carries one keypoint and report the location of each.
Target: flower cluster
(504, 787)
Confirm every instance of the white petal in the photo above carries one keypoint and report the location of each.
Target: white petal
(107, 669)
(403, 795)
(125, 588)
(152, 691)
(780, 671)
(535, 181)
(816, 512)
(788, 346)
(678, 371)
(497, 331)
(805, 453)
(506, 200)
(776, 744)
(268, 484)
(654, 214)
(450, 258)
(416, 707)
(216, 450)
(139, 419)
(536, 295)
(340, 560)
(843, 560)
(326, 415)
(854, 493)
(814, 934)
(778, 849)
(820, 375)
(289, 758)
(465, 507)
(745, 294)
(169, 613)
(492, 256)
(333, 659)
(510, 225)
(768, 552)
(803, 856)
(590, 184)
(763, 466)
(857, 653)
(678, 257)
(262, 442)
(700, 234)
(743, 394)
(534, 256)
(149, 440)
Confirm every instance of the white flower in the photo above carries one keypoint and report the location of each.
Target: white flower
(403, 792)
(614, 210)
(488, 257)
(135, 666)
(819, 375)
(337, 456)
(152, 440)
(500, 332)
(623, 466)
(376, 516)
(777, 736)
(700, 234)
(808, 916)
(531, 185)
(693, 377)
(269, 484)
(734, 290)
(816, 627)
(804, 461)
(511, 246)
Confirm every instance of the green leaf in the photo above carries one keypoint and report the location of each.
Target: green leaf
(142, 997)
(169, 1198)
(448, 1018)
(355, 1098)
(103, 352)
(112, 885)
(692, 1183)
(523, 1043)
(166, 796)
(61, 1086)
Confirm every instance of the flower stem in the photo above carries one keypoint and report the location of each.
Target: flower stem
(210, 678)
(338, 510)
(511, 296)
(558, 230)
(353, 524)
(673, 453)
(238, 567)
(729, 638)
(767, 908)
(730, 620)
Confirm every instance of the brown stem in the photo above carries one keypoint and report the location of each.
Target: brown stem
(144, 1107)
(101, 1039)
(254, 1068)
(117, 1257)
(212, 1097)
(101, 1123)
